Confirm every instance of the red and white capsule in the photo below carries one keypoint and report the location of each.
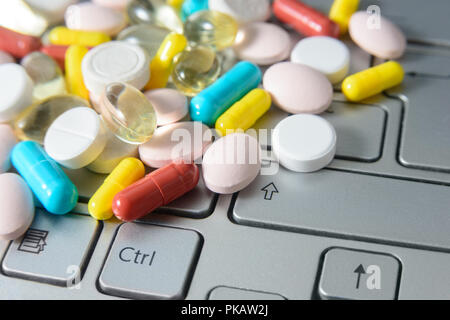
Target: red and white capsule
(157, 189)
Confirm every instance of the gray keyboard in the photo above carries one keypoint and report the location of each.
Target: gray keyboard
(375, 224)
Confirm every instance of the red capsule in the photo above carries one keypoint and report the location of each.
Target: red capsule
(305, 19)
(18, 44)
(157, 189)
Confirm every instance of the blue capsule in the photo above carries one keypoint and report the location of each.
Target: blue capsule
(212, 102)
(45, 177)
(192, 6)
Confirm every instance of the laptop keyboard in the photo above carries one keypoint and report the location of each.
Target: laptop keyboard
(383, 203)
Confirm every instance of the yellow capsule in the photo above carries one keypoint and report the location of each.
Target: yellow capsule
(244, 113)
(162, 64)
(341, 12)
(127, 172)
(74, 75)
(370, 82)
(66, 37)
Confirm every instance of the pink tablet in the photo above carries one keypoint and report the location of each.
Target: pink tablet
(170, 105)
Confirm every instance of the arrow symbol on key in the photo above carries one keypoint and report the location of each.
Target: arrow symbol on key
(360, 271)
(269, 190)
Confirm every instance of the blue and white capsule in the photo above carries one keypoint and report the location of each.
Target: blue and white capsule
(212, 102)
(45, 177)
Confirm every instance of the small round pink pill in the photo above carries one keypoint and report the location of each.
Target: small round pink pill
(231, 163)
(16, 206)
(262, 43)
(170, 105)
(91, 17)
(377, 35)
(297, 88)
(7, 142)
(185, 141)
(6, 57)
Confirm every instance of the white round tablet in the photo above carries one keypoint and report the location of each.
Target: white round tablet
(115, 61)
(262, 43)
(243, 11)
(325, 54)
(304, 143)
(115, 151)
(170, 105)
(16, 91)
(76, 138)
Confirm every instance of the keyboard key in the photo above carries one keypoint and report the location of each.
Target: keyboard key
(54, 250)
(158, 262)
(348, 205)
(225, 293)
(425, 141)
(360, 130)
(356, 275)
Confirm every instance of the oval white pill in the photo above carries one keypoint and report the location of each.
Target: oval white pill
(16, 206)
(170, 105)
(185, 141)
(231, 163)
(115, 151)
(92, 17)
(7, 142)
(262, 43)
(325, 54)
(304, 143)
(243, 11)
(5, 57)
(16, 91)
(297, 88)
(52, 10)
(115, 61)
(76, 138)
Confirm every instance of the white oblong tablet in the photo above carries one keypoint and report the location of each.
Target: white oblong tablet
(115, 151)
(52, 10)
(231, 163)
(5, 57)
(16, 91)
(170, 105)
(185, 141)
(296, 88)
(262, 43)
(304, 143)
(16, 206)
(7, 142)
(243, 11)
(115, 61)
(325, 54)
(76, 138)
(92, 17)
(114, 4)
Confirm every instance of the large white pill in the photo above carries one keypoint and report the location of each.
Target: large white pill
(16, 206)
(170, 105)
(76, 138)
(115, 61)
(16, 91)
(325, 54)
(52, 10)
(115, 4)
(243, 11)
(262, 43)
(115, 151)
(7, 142)
(304, 143)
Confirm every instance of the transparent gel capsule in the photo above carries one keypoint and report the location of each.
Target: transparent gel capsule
(17, 15)
(33, 122)
(195, 69)
(46, 74)
(211, 28)
(147, 36)
(128, 113)
(156, 12)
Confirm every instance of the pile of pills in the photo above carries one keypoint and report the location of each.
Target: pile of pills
(116, 86)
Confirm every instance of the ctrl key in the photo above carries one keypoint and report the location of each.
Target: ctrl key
(150, 262)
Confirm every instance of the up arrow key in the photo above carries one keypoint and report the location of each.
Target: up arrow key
(360, 271)
(269, 190)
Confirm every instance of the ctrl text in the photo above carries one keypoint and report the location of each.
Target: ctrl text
(227, 310)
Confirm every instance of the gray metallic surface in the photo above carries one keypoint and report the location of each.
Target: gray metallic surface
(356, 275)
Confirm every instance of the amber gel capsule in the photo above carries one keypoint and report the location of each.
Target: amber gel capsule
(157, 189)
